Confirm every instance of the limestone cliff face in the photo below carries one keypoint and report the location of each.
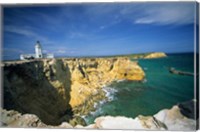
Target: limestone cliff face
(88, 76)
(38, 87)
(57, 89)
(155, 55)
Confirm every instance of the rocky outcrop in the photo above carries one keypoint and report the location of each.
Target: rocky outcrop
(179, 117)
(90, 75)
(15, 119)
(176, 118)
(151, 55)
(155, 55)
(38, 87)
(58, 90)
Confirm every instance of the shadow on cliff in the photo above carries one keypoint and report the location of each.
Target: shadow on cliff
(34, 89)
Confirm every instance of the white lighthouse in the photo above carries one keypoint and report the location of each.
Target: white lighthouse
(38, 50)
(38, 53)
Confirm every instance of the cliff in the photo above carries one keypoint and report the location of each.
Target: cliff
(37, 87)
(155, 55)
(151, 55)
(179, 117)
(58, 90)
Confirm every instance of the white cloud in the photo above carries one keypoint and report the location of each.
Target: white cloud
(177, 13)
(72, 52)
(144, 21)
(21, 31)
(9, 50)
(44, 51)
(164, 14)
(102, 27)
(75, 34)
(27, 32)
(61, 51)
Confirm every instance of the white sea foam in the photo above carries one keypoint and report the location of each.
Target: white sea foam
(95, 105)
(145, 68)
(144, 81)
(110, 93)
(110, 96)
(83, 116)
(121, 80)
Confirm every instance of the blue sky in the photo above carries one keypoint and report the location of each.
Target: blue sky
(99, 29)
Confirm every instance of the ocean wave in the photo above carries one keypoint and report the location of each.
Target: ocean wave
(145, 68)
(95, 105)
(110, 93)
(121, 80)
(144, 81)
(110, 96)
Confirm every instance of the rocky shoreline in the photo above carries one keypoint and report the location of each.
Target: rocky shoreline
(55, 93)
(179, 117)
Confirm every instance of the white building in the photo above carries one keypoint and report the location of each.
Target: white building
(38, 53)
(38, 50)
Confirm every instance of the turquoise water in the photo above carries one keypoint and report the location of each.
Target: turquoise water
(160, 90)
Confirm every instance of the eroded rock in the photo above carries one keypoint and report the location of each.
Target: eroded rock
(167, 119)
(57, 89)
(14, 119)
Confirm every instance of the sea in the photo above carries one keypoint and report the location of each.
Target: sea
(160, 89)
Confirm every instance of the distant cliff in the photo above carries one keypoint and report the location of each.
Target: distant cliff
(179, 117)
(58, 90)
(151, 55)
(155, 55)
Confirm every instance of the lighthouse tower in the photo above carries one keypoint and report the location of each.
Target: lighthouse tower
(38, 50)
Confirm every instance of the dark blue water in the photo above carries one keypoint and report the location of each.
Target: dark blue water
(160, 90)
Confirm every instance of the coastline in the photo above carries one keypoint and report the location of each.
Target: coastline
(71, 83)
(176, 118)
(98, 97)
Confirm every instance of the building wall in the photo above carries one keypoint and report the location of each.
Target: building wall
(27, 56)
(33, 56)
(38, 51)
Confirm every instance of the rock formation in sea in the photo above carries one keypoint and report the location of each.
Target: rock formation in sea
(179, 117)
(60, 90)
